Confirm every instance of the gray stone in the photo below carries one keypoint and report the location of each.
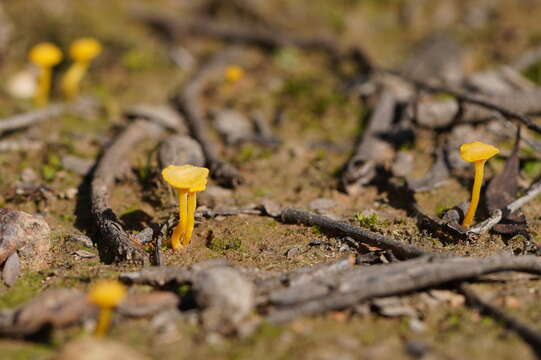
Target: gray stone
(180, 150)
(12, 269)
(233, 126)
(28, 234)
(225, 297)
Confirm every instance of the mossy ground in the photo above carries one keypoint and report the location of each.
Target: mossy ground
(319, 134)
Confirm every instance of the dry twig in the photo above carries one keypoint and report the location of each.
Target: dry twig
(114, 243)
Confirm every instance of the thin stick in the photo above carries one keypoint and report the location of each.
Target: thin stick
(37, 116)
(400, 250)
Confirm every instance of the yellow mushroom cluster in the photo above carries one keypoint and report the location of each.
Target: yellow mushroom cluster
(188, 180)
(46, 55)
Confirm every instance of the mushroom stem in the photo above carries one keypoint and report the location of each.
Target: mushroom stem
(44, 86)
(476, 191)
(180, 230)
(104, 320)
(192, 203)
(73, 77)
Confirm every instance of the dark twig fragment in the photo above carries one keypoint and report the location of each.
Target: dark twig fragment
(114, 243)
(364, 236)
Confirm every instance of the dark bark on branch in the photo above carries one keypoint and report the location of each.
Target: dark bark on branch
(114, 243)
(189, 104)
(364, 236)
(400, 278)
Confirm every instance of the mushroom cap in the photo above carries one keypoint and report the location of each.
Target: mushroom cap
(85, 49)
(45, 54)
(477, 151)
(107, 293)
(234, 73)
(187, 177)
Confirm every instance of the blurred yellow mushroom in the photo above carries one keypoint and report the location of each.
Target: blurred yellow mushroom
(477, 153)
(233, 73)
(189, 180)
(106, 294)
(45, 56)
(82, 51)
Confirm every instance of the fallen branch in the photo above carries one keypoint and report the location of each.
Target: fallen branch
(392, 279)
(114, 243)
(364, 236)
(189, 104)
(37, 116)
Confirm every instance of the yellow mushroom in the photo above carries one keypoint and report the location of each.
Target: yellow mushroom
(106, 294)
(233, 73)
(477, 153)
(45, 56)
(82, 51)
(189, 180)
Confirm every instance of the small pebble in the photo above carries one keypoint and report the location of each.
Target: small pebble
(84, 254)
(81, 239)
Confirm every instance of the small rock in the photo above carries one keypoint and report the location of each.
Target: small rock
(214, 195)
(68, 194)
(98, 349)
(148, 304)
(22, 84)
(84, 254)
(81, 239)
(291, 253)
(233, 126)
(162, 114)
(393, 307)
(180, 150)
(12, 269)
(145, 235)
(29, 176)
(271, 208)
(416, 349)
(28, 234)
(76, 164)
(403, 163)
(225, 297)
(183, 58)
(322, 204)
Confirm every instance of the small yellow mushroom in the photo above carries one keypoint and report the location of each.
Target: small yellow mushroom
(477, 153)
(82, 51)
(233, 73)
(106, 294)
(45, 56)
(189, 180)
